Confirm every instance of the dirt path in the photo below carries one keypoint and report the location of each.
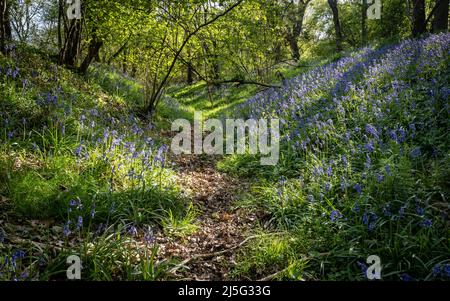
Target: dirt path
(209, 253)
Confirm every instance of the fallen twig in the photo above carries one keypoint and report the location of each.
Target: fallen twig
(209, 255)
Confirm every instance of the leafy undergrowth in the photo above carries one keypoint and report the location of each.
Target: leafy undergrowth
(79, 174)
(364, 168)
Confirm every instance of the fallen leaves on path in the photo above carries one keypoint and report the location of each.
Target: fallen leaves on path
(209, 254)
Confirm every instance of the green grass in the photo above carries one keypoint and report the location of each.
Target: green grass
(302, 198)
(66, 139)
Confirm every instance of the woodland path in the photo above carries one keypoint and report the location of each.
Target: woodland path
(209, 253)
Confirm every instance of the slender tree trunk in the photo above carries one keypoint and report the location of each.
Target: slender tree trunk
(293, 45)
(60, 21)
(419, 17)
(364, 8)
(5, 25)
(189, 70)
(93, 51)
(294, 32)
(215, 62)
(71, 48)
(337, 23)
(440, 18)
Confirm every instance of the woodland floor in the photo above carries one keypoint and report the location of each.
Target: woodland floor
(209, 253)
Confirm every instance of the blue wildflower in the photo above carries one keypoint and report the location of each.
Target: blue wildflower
(436, 271)
(80, 222)
(132, 231)
(446, 270)
(370, 129)
(379, 177)
(420, 211)
(405, 277)
(358, 188)
(427, 223)
(363, 268)
(365, 219)
(370, 147)
(415, 153)
(66, 230)
(387, 168)
(335, 215)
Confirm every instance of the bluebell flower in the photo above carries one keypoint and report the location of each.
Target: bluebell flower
(365, 219)
(347, 137)
(427, 223)
(370, 129)
(344, 160)
(387, 168)
(393, 135)
(358, 188)
(420, 211)
(80, 222)
(370, 147)
(329, 171)
(415, 153)
(335, 215)
(436, 271)
(149, 237)
(446, 270)
(66, 230)
(78, 150)
(17, 255)
(405, 277)
(368, 163)
(132, 231)
(379, 177)
(402, 135)
(343, 184)
(363, 268)
(93, 211)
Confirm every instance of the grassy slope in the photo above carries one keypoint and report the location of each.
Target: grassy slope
(73, 155)
(364, 168)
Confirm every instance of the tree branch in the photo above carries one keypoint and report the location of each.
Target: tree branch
(187, 39)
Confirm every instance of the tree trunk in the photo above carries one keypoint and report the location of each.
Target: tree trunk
(364, 8)
(215, 62)
(419, 17)
(440, 18)
(293, 45)
(5, 26)
(190, 74)
(296, 18)
(60, 21)
(71, 48)
(189, 70)
(94, 49)
(337, 24)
